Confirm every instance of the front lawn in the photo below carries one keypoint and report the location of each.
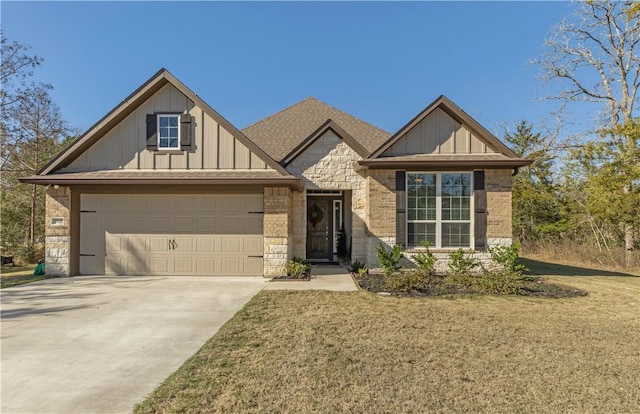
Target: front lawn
(358, 352)
(18, 275)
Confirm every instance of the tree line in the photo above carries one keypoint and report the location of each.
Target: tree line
(584, 191)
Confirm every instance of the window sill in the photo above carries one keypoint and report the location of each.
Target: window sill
(168, 151)
(439, 250)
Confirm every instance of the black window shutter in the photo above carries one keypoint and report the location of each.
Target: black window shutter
(152, 132)
(480, 201)
(185, 132)
(401, 208)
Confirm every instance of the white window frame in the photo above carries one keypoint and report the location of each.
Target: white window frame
(438, 221)
(161, 148)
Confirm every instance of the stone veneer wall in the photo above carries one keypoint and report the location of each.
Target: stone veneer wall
(328, 164)
(278, 229)
(499, 226)
(57, 237)
(381, 185)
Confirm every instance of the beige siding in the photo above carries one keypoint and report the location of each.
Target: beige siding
(125, 146)
(438, 133)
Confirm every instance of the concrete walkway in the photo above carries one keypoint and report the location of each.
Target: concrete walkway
(101, 344)
(323, 277)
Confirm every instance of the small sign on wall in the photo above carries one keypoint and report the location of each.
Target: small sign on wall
(57, 221)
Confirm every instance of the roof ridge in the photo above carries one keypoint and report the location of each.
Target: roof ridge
(349, 115)
(279, 112)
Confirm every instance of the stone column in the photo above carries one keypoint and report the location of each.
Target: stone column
(58, 231)
(498, 187)
(278, 229)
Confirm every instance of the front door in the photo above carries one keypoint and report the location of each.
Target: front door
(319, 228)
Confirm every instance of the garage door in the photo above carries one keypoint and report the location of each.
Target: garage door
(217, 235)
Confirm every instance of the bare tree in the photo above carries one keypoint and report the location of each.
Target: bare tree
(595, 58)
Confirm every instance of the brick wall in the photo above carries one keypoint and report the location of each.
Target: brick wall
(57, 231)
(278, 229)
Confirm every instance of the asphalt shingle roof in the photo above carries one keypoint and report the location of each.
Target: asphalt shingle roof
(280, 133)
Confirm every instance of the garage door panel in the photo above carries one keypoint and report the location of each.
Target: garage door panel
(167, 234)
(114, 243)
(230, 245)
(230, 266)
(114, 265)
(183, 265)
(137, 244)
(205, 265)
(159, 264)
(138, 203)
(252, 266)
(206, 225)
(183, 244)
(252, 225)
(253, 246)
(205, 244)
(137, 265)
(158, 243)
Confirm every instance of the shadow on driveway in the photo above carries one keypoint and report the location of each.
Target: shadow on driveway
(539, 268)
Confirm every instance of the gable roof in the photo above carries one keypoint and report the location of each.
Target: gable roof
(283, 132)
(455, 112)
(329, 125)
(133, 101)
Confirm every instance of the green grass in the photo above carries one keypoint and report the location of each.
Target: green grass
(358, 352)
(18, 275)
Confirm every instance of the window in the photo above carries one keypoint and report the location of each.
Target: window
(439, 209)
(169, 132)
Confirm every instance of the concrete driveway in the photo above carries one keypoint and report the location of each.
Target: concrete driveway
(101, 344)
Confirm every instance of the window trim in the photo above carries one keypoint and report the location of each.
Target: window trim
(438, 221)
(168, 115)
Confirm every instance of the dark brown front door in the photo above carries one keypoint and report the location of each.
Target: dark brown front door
(319, 228)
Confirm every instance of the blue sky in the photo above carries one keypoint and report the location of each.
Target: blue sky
(383, 62)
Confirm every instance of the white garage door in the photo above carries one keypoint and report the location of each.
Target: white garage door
(217, 235)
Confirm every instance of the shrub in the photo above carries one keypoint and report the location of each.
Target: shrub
(426, 261)
(363, 271)
(507, 257)
(389, 259)
(407, 282)
(500, 281)
(297, 268)
(357, 265)
(461, 265)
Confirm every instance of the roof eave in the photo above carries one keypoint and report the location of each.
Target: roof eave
(444, 164)
(291, 182)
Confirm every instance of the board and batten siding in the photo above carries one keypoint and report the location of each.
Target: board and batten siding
(438, 133)
(124, 147)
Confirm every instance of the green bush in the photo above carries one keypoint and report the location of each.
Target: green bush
(500, 281)
(507, 257)
(389, 259)
(426, 261)
(461, 265)
(297, 268)
(357, 265)
(406, 282)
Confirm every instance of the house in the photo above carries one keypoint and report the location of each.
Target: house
(163, 184)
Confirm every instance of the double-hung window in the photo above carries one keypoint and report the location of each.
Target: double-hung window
(439, 209)
(168, 132)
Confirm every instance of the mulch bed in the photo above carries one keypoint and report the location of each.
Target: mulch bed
(532, 286)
